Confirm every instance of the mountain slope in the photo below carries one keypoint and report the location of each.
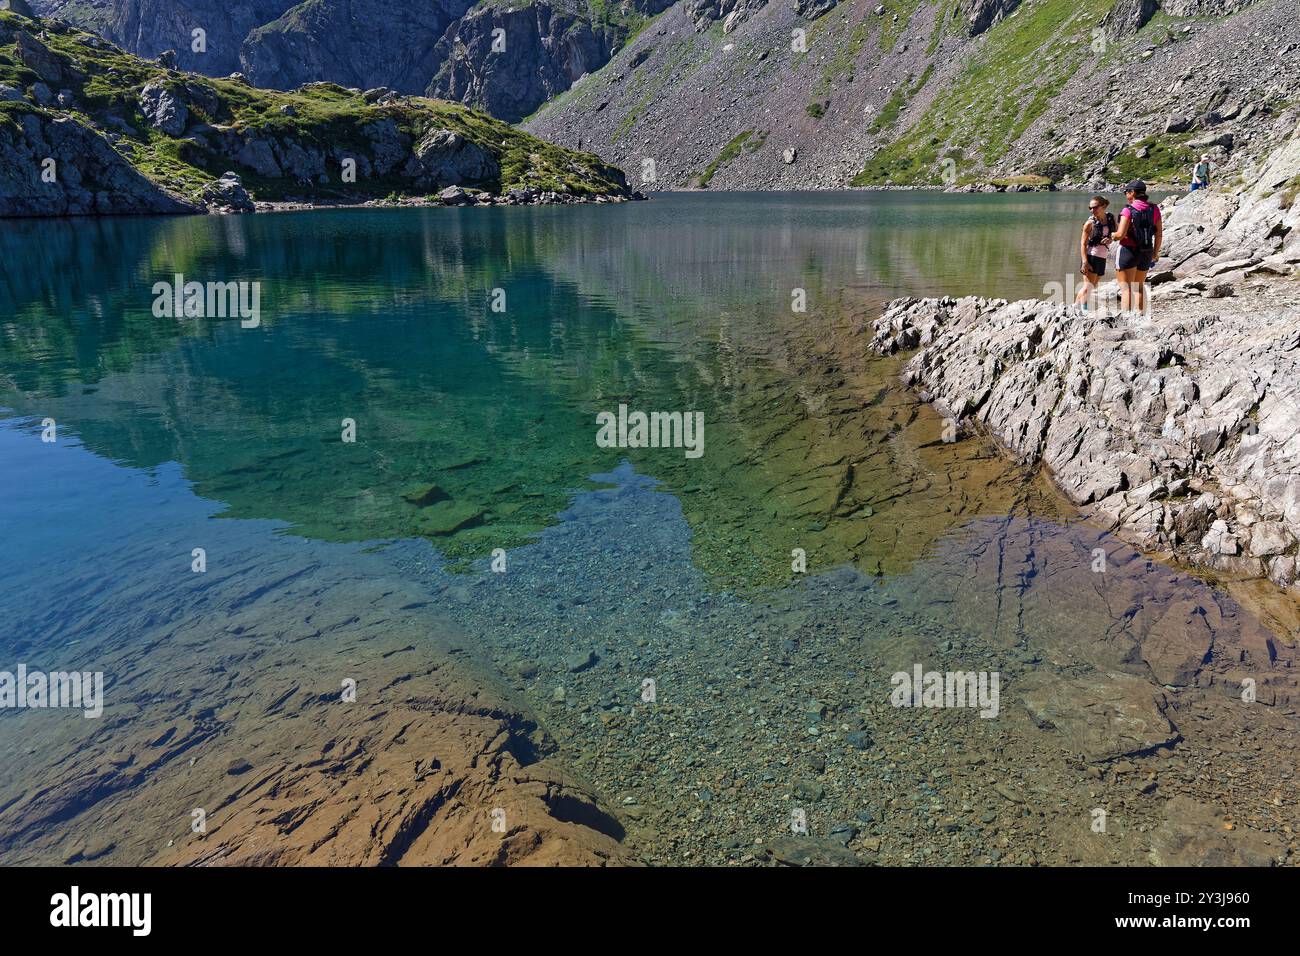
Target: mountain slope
(88, 128)
(440, 48)
(1077, 91)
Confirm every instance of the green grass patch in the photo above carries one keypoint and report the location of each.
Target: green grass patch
(891, 29)
(726, 155)
(1022, 63)
(1169, 159)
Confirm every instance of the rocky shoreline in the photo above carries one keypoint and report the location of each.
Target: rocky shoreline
(1179, 428)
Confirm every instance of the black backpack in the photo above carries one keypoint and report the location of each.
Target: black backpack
(1100, 230)
(1142, 227)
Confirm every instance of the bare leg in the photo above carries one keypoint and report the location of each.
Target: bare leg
(1141, 279)
(1126, 280)
(1089, 287)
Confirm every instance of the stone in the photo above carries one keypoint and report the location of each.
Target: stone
(1103, 716)
(1220, 540)
(580, 660)
(163, 109)
(228, 194)
(810, 851)
(1268, 538)
(809, 790)
(1195, 834)
(455, 196)
(859, 740)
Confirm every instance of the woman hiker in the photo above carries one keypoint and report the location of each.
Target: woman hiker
(1139, 235)
(1094, 247)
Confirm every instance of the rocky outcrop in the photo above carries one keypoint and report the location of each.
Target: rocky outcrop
(731, 13)
(164, 110)
(1183, 434)
(1127, 17)
(444, 48)
(444, 158)
(546, 50)
(58, 167)
(1203, 8)
(812, 9)
(1182, 428)
(228, 194)
(982, 14)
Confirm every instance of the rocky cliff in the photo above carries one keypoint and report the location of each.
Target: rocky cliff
(444, 48)
(88, 128)
(1181, 429)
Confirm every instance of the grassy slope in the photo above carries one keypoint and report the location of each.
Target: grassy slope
(1023, 62)
(326, 116)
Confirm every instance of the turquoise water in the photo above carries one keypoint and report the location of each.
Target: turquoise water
(476, 430)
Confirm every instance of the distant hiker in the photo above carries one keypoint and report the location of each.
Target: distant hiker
(1140, 234)
(1094, 247)
(1201, 174)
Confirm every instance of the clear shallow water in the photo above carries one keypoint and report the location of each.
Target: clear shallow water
(476, 430)
(682, 303)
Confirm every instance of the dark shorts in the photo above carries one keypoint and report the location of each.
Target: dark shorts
(1097, 265)
(1139, 259)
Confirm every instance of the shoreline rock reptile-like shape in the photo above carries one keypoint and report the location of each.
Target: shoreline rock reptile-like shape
(1181, 428)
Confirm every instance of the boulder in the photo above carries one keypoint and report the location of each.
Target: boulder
(227, 194)
(455, 196)
(445, 158)
(1102, 716)
(163, 109)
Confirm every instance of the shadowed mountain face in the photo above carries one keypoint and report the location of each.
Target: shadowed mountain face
(447, 48)
(148, 27)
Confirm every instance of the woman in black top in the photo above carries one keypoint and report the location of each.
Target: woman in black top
(1094, 247)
